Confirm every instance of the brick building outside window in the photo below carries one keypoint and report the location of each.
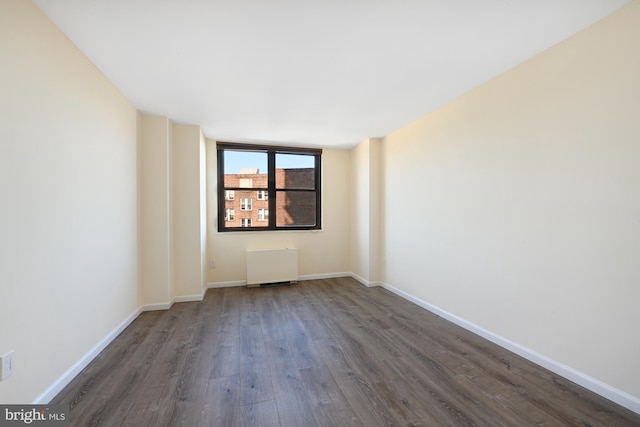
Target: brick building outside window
(249, 207)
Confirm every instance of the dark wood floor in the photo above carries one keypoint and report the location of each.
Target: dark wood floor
(319, 353)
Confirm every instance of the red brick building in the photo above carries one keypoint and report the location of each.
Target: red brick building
(247, 205)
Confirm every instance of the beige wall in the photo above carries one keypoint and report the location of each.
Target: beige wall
(360, 186)
(528, 219)
(365, 211)
(172, 225)
(68, 245)
(204, 228)
(186, 211)
(320, 252)
(155, 210)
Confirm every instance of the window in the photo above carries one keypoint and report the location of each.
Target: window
(245, 204)
(229, 195)
(285, 181)
(229, 215)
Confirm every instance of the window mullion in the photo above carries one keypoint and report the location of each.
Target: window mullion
(271, 187)
(221, 199)
(318, 179)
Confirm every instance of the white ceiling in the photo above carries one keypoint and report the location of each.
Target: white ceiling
(326, 73)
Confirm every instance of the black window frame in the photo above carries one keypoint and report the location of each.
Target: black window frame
(271, 151)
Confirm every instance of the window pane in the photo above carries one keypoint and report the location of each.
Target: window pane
(245, 169)
(295, 208)
(230, 215)
(245, 204)
(295, 171)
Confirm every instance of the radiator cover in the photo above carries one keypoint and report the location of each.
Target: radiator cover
(271, 266)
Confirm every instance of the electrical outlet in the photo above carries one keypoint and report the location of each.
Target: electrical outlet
(6, 365)
(212, 264)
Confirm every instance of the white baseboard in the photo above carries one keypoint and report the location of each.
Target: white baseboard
(233, 283)
(158, 306)
(168, 305)
(190, 298)
(605, 390)
(229, 284)
(74, 370)
(323, 276)
(365, 282)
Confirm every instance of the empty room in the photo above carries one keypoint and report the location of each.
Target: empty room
(314, 213)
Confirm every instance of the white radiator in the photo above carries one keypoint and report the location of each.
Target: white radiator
(272, 266)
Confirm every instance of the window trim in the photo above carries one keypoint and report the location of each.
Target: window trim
(271, 151)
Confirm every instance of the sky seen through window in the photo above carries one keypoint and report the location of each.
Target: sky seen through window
(236, 160)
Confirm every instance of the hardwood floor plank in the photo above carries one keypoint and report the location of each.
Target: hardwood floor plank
(303, 354)
(255, 378)
(271, 320)
(260, 414)
(317, 329)
(252, 348)
(293, 403)
(222, 403)
(224, 361)
(255, 387)
(327, 400)
(355, 385)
